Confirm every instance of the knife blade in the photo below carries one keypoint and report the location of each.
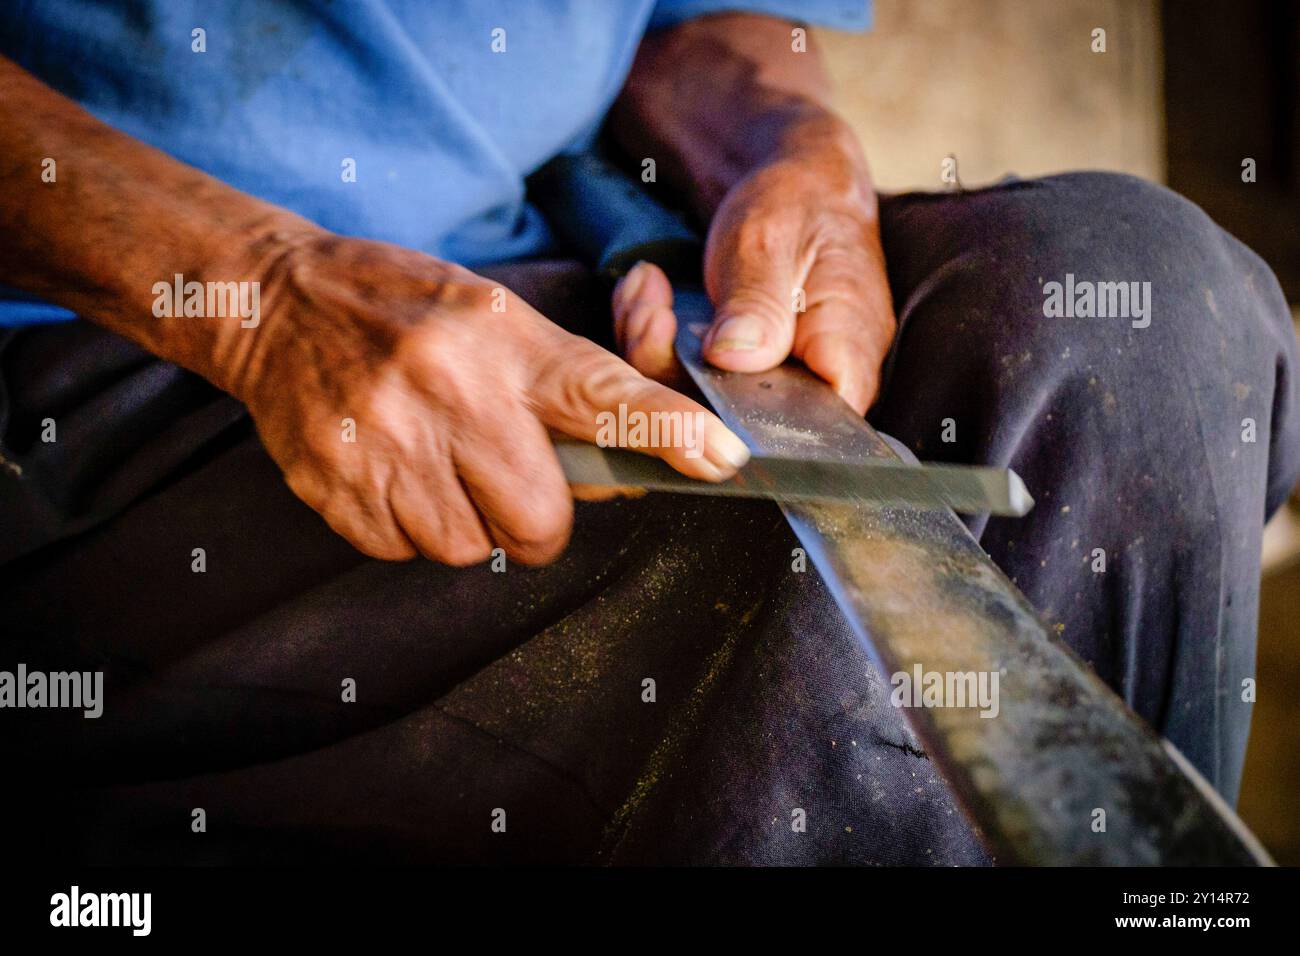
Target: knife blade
(882, 482)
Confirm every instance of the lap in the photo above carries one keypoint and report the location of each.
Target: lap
(474, 690)
(971, 274)
(1154, 440)
(525, 690)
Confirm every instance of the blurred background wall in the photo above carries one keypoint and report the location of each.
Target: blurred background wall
(1005, 86)
(1184, 91)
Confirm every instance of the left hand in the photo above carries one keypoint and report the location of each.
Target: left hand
(801, 230)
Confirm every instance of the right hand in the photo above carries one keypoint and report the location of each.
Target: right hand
(451, 402)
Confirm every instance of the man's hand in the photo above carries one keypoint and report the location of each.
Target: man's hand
(739, 121)
(793, 265)
(407, 400)
(450, 401)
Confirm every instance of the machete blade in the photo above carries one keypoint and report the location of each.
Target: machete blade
(918, 591)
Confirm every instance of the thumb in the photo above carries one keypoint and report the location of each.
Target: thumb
(593, 396)
(753, 291)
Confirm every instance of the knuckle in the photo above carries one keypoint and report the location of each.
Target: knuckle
(538, 535)
(460, 551)
(536, 555)
(636, 321)
(302, 481)
(385, 547)
(318, 445)
(763, 303)
(331, 500)
(842, 230)
(593, 378)
(428, 348)
(384, 550)
(447, 369)
(761, 235)
(462, 290)
(442, 528)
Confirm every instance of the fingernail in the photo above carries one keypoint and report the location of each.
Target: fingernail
(726, 450)
(744, 333)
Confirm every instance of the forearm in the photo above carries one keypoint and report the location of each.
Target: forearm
(120, 217)
(718, 97)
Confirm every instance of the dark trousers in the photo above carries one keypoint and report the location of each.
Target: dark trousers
(526, 691)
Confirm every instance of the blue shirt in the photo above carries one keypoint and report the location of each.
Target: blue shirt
(410, 121)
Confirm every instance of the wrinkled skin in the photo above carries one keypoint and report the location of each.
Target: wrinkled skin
(807, 223)
(452, 401)
(782, 185)
(452, 382)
